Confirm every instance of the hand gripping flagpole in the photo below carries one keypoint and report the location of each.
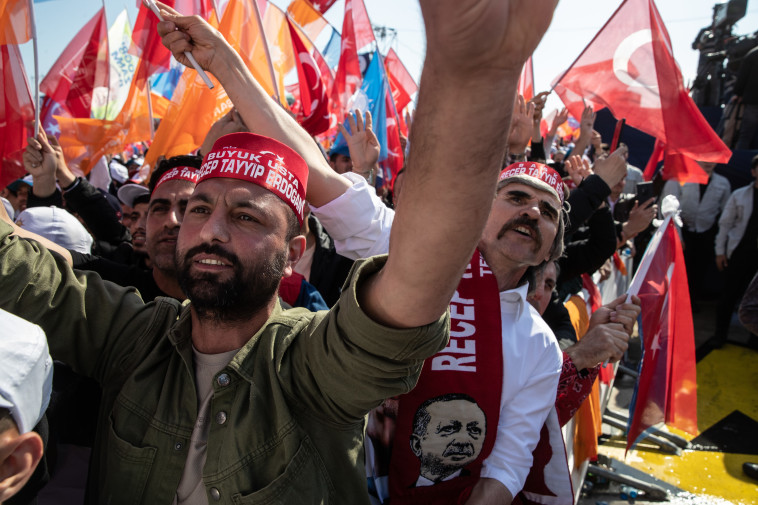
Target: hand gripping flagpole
(206, 79)
(36, 68)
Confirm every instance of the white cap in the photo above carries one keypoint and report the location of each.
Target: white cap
(130, 192)
(26, 370)
(56, 225)
(8, 207)
(119, 172)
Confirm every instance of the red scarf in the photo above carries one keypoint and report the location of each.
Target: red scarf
(446, 426)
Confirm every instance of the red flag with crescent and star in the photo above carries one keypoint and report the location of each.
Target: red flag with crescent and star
(314, 111)
(356, 33)
(666, 390)
(629, 67)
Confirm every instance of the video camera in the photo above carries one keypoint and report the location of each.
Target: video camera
(727, 14)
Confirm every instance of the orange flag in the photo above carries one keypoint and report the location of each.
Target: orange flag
(15, 22)
(194, 107)
(279, 45)
(85, 141)
(307, 18)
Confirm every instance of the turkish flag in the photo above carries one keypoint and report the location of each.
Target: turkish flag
(82, 66)
(526, 81)
(629, 67)
(666, 389)
(322, 5)
(395, 156)
(314, 111)
(356, 33)
(16, 113)
(401, 82)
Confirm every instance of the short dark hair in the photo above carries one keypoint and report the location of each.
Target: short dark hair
(6, 420)
(173, 162)
(293, 225)
(421, 418)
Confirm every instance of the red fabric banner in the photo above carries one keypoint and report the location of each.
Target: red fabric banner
(82, 66)
(314, 102)
(526, 81)
(446, 426)
(146, 43)
(667, 385)
(16, 114)
(402, 83)
(629, 67)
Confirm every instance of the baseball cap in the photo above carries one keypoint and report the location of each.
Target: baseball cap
(128, 193)
(56, 225)
(13, 186)
(26, 375)
(118, 171)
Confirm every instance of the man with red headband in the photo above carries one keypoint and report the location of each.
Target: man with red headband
(229, 398)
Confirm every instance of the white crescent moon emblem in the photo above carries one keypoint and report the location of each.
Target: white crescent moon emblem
(649, 94)
(307, 62)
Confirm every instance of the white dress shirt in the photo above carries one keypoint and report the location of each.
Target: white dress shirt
(699, 215)
(360, 225)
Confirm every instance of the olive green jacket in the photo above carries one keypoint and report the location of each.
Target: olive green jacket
(288, 411)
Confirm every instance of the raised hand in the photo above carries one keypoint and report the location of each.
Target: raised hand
(577, 168)
(559, 119)
(40, 160)
(191, 33)
(362, 142)
(484, 35)
(587, 121)
(640, 218)
(613, 168)
(229, 123)
(521, 125)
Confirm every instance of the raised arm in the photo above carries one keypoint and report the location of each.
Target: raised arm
(260, 113)
(475, 52)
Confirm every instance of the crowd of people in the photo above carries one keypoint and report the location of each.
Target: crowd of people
(231, 328)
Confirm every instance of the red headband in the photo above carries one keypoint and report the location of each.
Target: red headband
(189, 174)
(546, 176)
(262, 161)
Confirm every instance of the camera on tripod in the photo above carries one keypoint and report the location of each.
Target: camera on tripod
(720, 54)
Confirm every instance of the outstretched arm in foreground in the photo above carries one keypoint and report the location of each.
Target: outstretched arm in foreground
(475, 51)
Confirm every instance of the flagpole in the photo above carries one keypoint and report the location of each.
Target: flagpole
(215, 9)
(36, 68)
(587, 46)
(265, 50)
(150, 107)
(108, 52)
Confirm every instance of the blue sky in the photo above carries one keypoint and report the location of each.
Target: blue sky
(574, 25)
